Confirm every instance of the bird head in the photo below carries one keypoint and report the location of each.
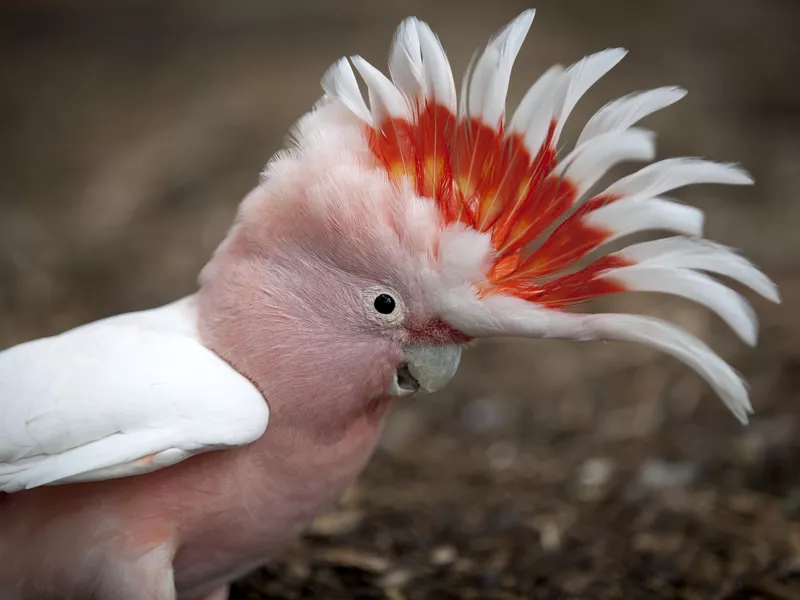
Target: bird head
(391, 232)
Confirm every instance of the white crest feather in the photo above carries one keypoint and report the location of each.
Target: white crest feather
(508, 316)
(624, 112)
(489, 82)
(384, 98)
(589, 162)
(632, 215)
(405, 59)
(702, 255)
(728, 304)
(674, 173)
(340, 82)
(674, 341)
(463, 109)
(437, 75)
(536, 110)
(583, 75)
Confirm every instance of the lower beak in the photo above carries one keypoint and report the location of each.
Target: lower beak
(425, 366)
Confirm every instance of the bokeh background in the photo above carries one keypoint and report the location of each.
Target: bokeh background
(130, 131)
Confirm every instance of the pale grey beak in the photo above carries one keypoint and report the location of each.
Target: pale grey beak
(425, 366)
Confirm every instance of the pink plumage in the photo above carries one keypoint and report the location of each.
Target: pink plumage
(165, 453)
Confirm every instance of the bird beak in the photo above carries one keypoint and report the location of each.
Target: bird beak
(425, 366)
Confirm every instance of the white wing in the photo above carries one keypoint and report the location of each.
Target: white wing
(119, 397)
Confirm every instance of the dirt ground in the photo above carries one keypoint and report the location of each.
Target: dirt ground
(130, 131)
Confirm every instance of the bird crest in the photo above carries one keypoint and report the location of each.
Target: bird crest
(508, 179)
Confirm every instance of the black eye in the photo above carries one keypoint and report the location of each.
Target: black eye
(384, 304)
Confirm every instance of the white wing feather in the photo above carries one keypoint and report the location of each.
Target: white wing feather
(119, 397)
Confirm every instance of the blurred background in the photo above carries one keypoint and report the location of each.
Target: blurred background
(131, 130)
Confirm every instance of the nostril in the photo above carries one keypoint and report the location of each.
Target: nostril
(405, 380)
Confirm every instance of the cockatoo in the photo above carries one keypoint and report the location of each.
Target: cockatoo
(136, 459)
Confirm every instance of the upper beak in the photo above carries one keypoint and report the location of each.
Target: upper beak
(426, 366)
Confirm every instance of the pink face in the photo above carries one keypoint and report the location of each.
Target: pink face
(330, 277)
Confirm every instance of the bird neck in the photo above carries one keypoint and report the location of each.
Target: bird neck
(319, 388)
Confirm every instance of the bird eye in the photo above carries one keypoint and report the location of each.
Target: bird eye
(384, 304)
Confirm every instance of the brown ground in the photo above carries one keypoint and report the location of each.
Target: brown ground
(131, 129)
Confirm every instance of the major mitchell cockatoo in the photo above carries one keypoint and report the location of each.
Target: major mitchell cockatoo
(135, 457)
